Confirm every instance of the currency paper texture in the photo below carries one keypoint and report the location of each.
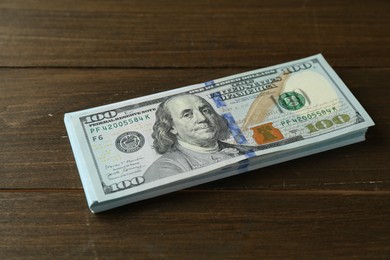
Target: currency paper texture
(148, 146)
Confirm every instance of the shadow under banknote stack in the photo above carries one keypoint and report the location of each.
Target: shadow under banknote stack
(148, 146)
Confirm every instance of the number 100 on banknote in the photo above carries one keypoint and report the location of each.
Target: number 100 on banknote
(144, 147)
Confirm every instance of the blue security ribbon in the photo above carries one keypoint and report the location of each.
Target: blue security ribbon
(250, 154)
(238, 136)
(209, 83)
(234, 129)
(217, 98)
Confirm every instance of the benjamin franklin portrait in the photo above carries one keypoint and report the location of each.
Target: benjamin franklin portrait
(189, 134)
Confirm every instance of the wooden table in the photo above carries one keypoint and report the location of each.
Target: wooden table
(62, 56)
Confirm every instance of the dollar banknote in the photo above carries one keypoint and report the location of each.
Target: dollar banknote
(148, 146)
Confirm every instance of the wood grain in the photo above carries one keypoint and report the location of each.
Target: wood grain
(191, 33)
(214, 225)
(36, 151)
(68, 55)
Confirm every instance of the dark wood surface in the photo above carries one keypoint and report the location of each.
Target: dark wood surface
(63, 56)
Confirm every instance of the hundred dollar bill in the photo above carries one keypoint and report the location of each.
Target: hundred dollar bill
(152, 145)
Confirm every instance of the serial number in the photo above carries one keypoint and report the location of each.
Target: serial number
(312, 115)
(110, 126)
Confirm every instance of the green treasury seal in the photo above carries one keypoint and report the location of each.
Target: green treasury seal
(291, 100)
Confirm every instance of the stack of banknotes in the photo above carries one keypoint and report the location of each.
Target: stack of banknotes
(152, 145)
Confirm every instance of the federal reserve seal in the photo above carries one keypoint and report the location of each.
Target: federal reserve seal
(130, 142)
(291, 100)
